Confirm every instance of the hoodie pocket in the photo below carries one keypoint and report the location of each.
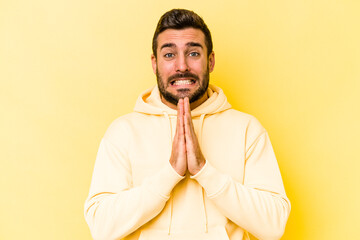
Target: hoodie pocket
(217, 233)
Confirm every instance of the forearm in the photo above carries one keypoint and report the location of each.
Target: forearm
(116, 215)
(258, 211)
(115, 208)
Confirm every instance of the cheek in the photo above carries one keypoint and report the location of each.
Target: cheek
(165, 69)
(198, 64)
(199, 67)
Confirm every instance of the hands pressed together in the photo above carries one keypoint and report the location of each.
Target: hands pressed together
(186, 153)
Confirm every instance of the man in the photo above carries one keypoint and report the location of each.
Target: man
(184, 165)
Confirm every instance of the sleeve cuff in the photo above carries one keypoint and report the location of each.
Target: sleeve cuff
(199, 172)
(211, 179)
(163, 182)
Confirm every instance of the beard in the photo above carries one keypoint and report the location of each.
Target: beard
(183, 92)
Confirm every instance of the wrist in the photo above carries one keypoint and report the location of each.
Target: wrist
(198, 168)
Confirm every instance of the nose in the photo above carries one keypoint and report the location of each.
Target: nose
(181, 64)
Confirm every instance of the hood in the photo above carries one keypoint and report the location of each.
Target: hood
(149, 102)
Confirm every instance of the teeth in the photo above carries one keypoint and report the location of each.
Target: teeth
(183, 82)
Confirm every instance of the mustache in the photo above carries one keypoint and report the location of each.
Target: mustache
(183, 75)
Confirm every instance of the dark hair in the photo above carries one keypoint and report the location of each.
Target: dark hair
(181, 19)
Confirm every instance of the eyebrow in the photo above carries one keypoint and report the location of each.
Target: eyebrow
(194, 44)
(189, 44)
(165, 45)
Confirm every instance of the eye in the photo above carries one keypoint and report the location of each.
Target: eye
(194, 54)
(168, 55)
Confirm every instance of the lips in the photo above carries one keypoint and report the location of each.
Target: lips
(183, 79)
(182, 82)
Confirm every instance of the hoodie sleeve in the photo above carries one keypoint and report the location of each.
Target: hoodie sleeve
(259, 205)
(114, 207)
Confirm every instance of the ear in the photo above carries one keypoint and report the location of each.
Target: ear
(153, 63)
(211, 61)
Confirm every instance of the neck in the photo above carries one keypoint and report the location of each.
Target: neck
(193, 105)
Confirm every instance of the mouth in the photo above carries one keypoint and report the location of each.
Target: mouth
(182, 82)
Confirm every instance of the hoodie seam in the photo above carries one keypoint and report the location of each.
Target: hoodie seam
(220, 190)
(254, 143)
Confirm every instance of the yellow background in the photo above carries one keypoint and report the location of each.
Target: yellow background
(68, 68)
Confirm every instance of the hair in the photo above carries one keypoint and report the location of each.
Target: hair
(181, 19)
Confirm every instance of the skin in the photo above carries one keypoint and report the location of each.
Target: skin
(182, 51)
(186, 154)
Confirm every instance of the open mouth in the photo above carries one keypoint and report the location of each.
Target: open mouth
(182, 82)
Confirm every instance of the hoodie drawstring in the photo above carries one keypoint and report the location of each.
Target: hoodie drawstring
(166, 115)
(171, 213)
(200, 127)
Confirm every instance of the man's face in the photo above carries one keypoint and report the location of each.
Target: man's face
(182, 66)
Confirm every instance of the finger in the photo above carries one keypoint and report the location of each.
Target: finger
(189, 116)
(179, 147)
(181, 119)
(178, 118)
(189, 129)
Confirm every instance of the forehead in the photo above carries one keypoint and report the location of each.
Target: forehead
(180, 37)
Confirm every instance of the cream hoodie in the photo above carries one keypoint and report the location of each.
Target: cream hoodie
(136, 194)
